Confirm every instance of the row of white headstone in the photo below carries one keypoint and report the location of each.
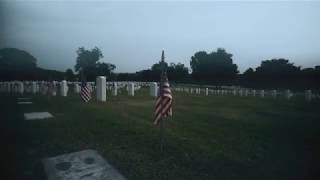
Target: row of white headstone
(243, 92)
(101, 86)
(33, 87)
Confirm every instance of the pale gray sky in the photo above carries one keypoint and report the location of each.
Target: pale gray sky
(132, 34)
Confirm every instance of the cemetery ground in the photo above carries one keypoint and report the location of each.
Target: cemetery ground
(213, 137)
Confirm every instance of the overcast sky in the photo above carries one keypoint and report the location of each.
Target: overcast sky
(132, 35)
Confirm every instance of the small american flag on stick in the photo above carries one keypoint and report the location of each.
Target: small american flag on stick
(164, 99)
(85, 91)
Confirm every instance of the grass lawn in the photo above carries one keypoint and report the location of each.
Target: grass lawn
(215, 137)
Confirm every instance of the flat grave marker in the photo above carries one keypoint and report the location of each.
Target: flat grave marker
(25, 102)
(82, 165)
(37, 115)
(23, 98)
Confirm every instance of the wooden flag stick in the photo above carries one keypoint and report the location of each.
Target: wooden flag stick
(162, 135)
(162, 125)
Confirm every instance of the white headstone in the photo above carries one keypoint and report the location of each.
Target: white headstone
(254, 92)
(153, 89)
(101, 88)
(308, 95)
(63, 88)
(92, 87)
(115, 89)
(241, 92)
(288, 94)
(274, 93)
(131, 89)
(44, 89)
(246, 92)
(262, 93)
(34, 87)
(20, 87)
(207, 91)
(53, 89)
(37, 87)
(76, 88)
(8, 87)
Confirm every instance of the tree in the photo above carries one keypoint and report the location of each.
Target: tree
(147, 75)
(158, 66)
(87, 58)
(87, 64)
(277, 71)
(105, 69)
(277, 67)
(215, 67)
(69, 75)
(274, 73)
(248, 74)
(177, 72)
(12, 58)
(16, 64)
(156, 71)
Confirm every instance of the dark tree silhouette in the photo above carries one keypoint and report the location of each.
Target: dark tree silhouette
(158, 66)
(16, 64)
(214, 67)
(12, 58)
(69, 75)
(280, 68)
(178, 72)
(105, 69)
(249, 72)
(279, 73)
(87, 58)
(175, 72)
(87, 64)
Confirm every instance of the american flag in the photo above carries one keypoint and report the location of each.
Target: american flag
(164, 99)
(85, 92)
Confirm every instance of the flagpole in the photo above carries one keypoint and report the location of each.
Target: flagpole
(161, 93)
(161, 135)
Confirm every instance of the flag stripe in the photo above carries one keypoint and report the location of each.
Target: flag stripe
(164, 101)
(85, 92)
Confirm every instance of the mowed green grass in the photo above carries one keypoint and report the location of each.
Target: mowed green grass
(214, 137)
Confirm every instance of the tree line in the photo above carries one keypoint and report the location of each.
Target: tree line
(215, 68)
